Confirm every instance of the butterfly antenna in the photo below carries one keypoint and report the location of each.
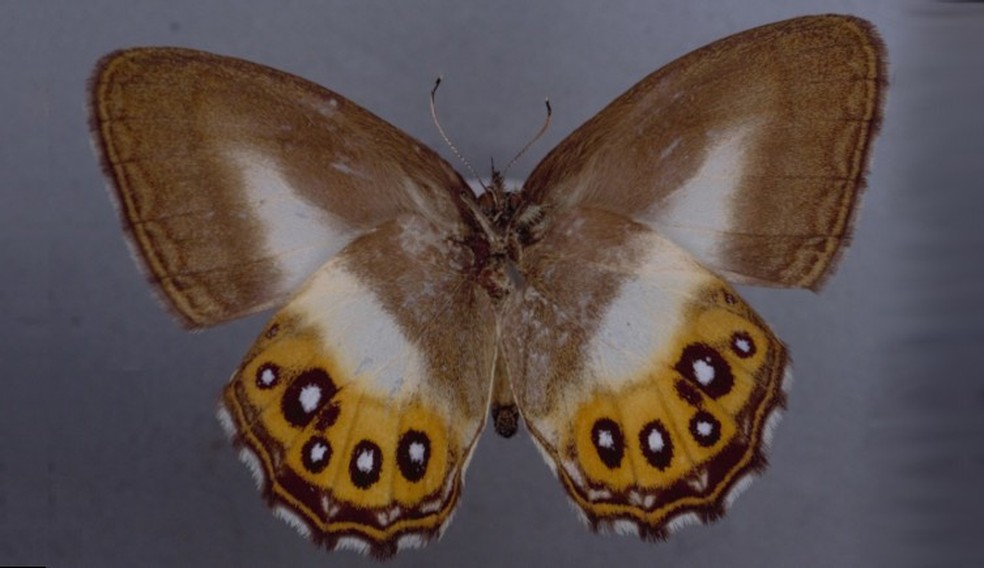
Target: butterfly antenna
(447, 140)
(543, 130)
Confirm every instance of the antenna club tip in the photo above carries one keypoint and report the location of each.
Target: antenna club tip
(437, 83)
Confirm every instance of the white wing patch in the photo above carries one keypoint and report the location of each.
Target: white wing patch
(629, 330)
(363, 337)
(695, 214)
(298, 236)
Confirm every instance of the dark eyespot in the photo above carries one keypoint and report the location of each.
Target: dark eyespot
(267, 376)
(705, 429)
(742, 344)
(306, 395)
(329, 416)
(365, 464)
(608, 442)
(316, 454)
(413, 454)
(707, 369)
(656, 444)
(688, 393)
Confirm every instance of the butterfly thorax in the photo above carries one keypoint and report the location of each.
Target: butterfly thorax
(508, 224)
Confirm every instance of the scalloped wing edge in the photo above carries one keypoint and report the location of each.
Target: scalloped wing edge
(686, 516)
(380, 550)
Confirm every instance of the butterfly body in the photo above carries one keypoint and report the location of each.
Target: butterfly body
(592, 304)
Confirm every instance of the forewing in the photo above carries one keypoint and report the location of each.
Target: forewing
(237, 181)
(360, 403)
(750, 152)
(647, 382)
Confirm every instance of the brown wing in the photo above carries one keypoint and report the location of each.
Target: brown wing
(360, 403)
(647, 382)
(237, 181)
(749, 152)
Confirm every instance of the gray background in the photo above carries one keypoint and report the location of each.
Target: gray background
(109, 452)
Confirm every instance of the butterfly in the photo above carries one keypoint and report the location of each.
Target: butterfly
(594, 304)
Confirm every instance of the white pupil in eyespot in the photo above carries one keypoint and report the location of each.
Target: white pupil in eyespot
(310, 396)
(318, 452)
(605, 439)
(742, 345)
(704, 428)
(365, 461)
(268, 376)
(655, 441)
(417, 452)
(703, 371)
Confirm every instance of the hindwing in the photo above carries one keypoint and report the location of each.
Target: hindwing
(360, 403)
(647, 382)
